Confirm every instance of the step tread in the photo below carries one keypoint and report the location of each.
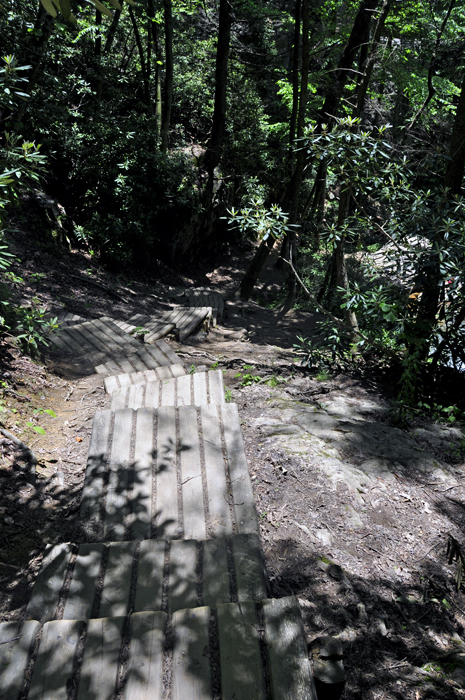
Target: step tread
(94, 337)
(238, 648)
(121, 381)
(17, 640)
(106, 580)
(185, 491)
(201, 297)
(140, 359)
(55, 661)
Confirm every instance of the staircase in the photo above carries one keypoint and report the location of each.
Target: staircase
(169, 596)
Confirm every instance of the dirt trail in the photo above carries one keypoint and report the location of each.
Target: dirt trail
(354, 513)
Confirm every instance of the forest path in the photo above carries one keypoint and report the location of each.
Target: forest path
(183, 608)
(350, 521)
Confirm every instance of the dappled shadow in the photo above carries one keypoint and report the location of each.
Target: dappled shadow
(392, 633)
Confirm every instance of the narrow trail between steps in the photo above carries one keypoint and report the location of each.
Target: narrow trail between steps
(169, 596)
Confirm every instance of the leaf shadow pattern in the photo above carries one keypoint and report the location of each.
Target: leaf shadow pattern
(392, 633)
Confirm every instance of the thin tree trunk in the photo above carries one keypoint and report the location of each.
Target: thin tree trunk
(149, 49)
(124, 65)
(285, 247)
(158, 63)
(295, 82)
(432, 67)
(140, 48)
(368, 65)
(456, 164)
(169, 73)
(339, 257)
(98, 67)
(98, 37)
(112, 31)
(300, 158)
(359, 37)
(214, 148)
(429, 303)
(256, 266)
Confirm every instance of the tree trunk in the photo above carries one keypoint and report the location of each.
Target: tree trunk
(295, 83)
(214, 148)
(359, 37)
(429, 304)
(98, 37)
(112, 31)
(432, 67)
(158, 61)
(456, 164)
(292, 196)
(256, 266)
(285, 247)
(369, 63)
(339, 257)
(300, 158)
(169, 72)
(140, 48)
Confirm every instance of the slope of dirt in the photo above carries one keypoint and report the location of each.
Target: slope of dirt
(355, 514)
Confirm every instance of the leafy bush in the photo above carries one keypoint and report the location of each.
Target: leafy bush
(19, 165)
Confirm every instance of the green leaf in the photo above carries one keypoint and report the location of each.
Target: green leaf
(48, 5)
(65, 8)
(38, 429)
(115, 4)
(101, 8)
(50, 412)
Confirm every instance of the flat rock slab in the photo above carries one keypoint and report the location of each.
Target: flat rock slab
(168, 473)
(187, 390)
(146, 357)
(303, 429)
(242, 646)
(154, 575)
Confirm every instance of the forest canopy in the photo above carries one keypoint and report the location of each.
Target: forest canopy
(171, 127)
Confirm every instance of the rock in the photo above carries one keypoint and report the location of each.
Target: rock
(353, 408)
(347, 635)
(362, 613)
(328, 669)
(336, 572)
(353, 519)
(458, 676)
(324, 536)
(380, 626)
